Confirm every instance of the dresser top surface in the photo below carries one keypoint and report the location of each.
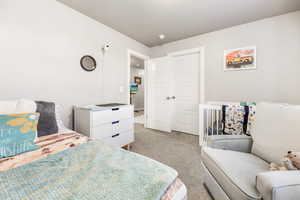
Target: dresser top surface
(100, 107)
(111, 105)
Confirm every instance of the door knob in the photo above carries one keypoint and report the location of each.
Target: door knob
(173, 97)
(168, 98)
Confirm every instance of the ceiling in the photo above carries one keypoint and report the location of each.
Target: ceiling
(145, 20)
(137, 62)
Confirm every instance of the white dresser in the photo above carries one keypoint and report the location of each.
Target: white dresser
(111, 123)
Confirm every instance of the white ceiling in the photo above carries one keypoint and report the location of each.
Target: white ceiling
(137, 62)
(145, 20)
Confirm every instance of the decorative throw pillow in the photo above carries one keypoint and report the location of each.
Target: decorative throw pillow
(17, 133)
(47, 122)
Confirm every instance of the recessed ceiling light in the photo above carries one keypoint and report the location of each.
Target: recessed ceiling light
(162, 36)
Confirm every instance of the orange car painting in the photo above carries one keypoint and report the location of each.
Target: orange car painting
(243, 58)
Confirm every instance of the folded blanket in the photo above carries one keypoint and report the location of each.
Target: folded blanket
(89, 171)
(233, 119)
(237, 119)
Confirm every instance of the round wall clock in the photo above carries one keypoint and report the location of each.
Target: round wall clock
(88, 63)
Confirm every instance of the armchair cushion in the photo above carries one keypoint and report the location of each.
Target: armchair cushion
(279, 185)
(240, 143)
(234, 171)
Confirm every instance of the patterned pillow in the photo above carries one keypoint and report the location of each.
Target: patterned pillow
(17, 133)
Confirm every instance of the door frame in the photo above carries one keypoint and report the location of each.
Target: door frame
(145, 58)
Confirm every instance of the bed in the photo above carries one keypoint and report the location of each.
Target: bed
(45, 172)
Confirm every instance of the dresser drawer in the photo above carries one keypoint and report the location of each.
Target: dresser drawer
(114, 114)
(102, 131)
(126, 124)
(120, 139)
(115, 127)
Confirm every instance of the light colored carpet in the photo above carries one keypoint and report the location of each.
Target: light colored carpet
(178, 150)
(139, 119)
(138, 113)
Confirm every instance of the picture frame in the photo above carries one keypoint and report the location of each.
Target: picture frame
(240, 59)
(138, 80)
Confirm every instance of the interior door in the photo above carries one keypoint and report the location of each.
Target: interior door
(186, 92)
(159, 114)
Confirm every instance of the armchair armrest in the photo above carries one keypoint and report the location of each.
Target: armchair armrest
(279, 185)
(240, 143)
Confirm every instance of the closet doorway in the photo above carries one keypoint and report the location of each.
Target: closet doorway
(176, 88)
(137, 82)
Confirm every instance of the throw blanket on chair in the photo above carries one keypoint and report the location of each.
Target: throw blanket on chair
(89, 171)
(233, 119)
(237, 119)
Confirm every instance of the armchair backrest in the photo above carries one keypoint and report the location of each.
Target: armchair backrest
(276, 131)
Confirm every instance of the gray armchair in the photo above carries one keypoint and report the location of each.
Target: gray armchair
(237, 167)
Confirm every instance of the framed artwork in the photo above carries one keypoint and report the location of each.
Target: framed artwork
(239, 59)
(138, 80)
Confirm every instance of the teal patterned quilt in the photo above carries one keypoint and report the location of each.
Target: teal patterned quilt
(91, 171)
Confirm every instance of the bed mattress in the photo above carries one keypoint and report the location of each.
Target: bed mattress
(59, 142)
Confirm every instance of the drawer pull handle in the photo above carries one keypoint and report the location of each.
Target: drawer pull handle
(115, 122)
(115, 109)
(115, 135)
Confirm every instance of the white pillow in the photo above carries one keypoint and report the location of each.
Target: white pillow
(60, 124)
(17, 106)
(8, 107)
(25, 106)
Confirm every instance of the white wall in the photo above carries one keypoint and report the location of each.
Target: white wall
(138, 98)
(41, 43)
(277, 77)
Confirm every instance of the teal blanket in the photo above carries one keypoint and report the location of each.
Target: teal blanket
(90, 171)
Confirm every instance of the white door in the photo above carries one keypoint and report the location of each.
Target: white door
(159, 114)
(186, 92)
